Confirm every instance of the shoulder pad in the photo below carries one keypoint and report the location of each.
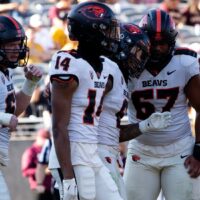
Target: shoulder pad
(73, 53)
(109, 61)
(185, 51)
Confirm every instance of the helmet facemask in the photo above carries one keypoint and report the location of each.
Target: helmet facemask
(134, 49)
(22, 53)
(135, 59)
(160, 55)
(110, 36)
(13, 43)
(161, 30)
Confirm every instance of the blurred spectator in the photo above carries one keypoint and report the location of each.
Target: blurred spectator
(59, 34)
(7, 6)
(195, 46)
(42, 170)
(15, 9)
(173, 8)
(29, 162)
(41, 35)
(191, 15)
(37, 53)
(58, 11)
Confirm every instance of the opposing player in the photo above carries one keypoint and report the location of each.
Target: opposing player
(169, 158)
(13, 53)
(78, 81)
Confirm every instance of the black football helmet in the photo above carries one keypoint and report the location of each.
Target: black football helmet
(134, 49)
(160, 28)
(11, 31)
(94, 23)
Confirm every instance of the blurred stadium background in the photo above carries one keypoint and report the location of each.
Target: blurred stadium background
(35, 16)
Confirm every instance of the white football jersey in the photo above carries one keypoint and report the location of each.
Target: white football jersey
(86, 99)
(115, 106)
(164, 92)
(7, 105)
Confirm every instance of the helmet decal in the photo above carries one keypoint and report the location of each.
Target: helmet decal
(132, 29)
(93, 11)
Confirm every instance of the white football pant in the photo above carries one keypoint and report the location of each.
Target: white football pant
(146, 174)
(56, 173)
(95, 183)
(111, 159)
(4, 193)
(93, 179)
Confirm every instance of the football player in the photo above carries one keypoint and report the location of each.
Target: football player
(131, 57)
(13, 53)
(167, 158)
(78, 80)
(115, 104)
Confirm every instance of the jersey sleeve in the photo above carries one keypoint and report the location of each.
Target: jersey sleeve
(191, 66)
(63, 67)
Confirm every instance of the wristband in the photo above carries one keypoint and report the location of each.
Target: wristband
(5, 118)
(28, 87)
(196, 151)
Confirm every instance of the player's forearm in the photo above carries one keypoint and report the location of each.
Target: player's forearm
(128, 132)
(22, 102)
(196, 150)
(62, 147)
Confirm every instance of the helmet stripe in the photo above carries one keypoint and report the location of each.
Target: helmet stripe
(18, 29)
(158, 20)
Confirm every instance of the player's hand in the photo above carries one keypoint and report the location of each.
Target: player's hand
(155, 122)
(13, 123)
(33, 73)
(70, 189)
(193, 166)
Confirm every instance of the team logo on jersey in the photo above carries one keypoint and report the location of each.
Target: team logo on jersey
(91, 75)
(170, 72)
(3, 80)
